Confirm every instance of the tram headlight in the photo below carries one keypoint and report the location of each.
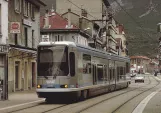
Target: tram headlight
(38, 86)
(65, 86)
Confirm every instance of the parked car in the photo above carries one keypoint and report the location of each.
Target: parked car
(139, 78)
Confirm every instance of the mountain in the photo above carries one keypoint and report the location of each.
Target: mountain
(140, 18)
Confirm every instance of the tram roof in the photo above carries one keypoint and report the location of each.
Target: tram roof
(72, 44)
(57, 43)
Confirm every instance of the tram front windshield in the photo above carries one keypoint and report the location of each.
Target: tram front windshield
(53, 61)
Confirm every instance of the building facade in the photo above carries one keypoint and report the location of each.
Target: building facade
(96, 11)
(112, 33)
(121, 41)
(140, 63)
(57, 28)
(3, 48)
(24, 35)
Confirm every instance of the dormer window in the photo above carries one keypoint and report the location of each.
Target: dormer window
(17, 4)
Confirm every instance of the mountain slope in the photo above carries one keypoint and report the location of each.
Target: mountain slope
(140, 24)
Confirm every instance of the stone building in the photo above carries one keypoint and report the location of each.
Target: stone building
(57, 28)
(140, 63)
(121, 41)
(99, 12)
(24, 35)
(3, 47)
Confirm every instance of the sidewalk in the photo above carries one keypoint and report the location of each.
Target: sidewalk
(20, 97)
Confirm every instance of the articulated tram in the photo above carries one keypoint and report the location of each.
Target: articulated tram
(67, 69)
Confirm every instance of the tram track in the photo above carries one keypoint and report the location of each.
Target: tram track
(73, 106)
(90, 106)
(38, 105)
(24, 108)
(158, 83)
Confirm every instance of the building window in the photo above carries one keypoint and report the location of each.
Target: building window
(61, 38)
(26, 6)
(56, 38)
(32, 11)
(26, 36)
(33, 39)
(86, 64)
(16, 39)
(17, 4)
(73, 38)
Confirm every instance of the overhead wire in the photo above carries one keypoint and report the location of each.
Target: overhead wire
(138, 24)
(104, 24)
(133, 19)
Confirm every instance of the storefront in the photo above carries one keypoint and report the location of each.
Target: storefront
(22, 68)
(3, 72)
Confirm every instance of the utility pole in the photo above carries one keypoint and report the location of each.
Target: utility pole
(159, 49)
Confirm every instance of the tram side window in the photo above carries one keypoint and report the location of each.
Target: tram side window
(113, 73)
(105, 72)
(127, 67)
(121, 72)
(100, 72)
(72, 63)
(110, 74)
(86, 64)
(118, 73)
(124, 71)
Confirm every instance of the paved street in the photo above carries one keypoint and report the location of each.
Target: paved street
(138, 98)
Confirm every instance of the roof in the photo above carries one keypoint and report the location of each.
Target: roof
(56, 21)
(38, 2)
(42, 3)
(139, 57)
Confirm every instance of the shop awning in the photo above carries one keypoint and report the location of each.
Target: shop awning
(25, 50)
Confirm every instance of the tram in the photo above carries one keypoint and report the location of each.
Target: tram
(69, 70)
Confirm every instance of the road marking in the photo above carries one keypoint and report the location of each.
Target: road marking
(18, 105)
(143, 103)
(158, 78)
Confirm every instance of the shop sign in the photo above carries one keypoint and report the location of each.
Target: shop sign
(15, 27)
(45, 38)
(27, 22)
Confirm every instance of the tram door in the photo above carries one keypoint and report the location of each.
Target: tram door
(94, 74)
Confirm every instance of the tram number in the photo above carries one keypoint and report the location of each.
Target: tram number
(50, 81)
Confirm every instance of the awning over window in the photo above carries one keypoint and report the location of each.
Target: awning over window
(24, 50)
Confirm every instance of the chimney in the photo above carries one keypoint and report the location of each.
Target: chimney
(46, 24)
(52, 9)
(69, 18)
(84, 13)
